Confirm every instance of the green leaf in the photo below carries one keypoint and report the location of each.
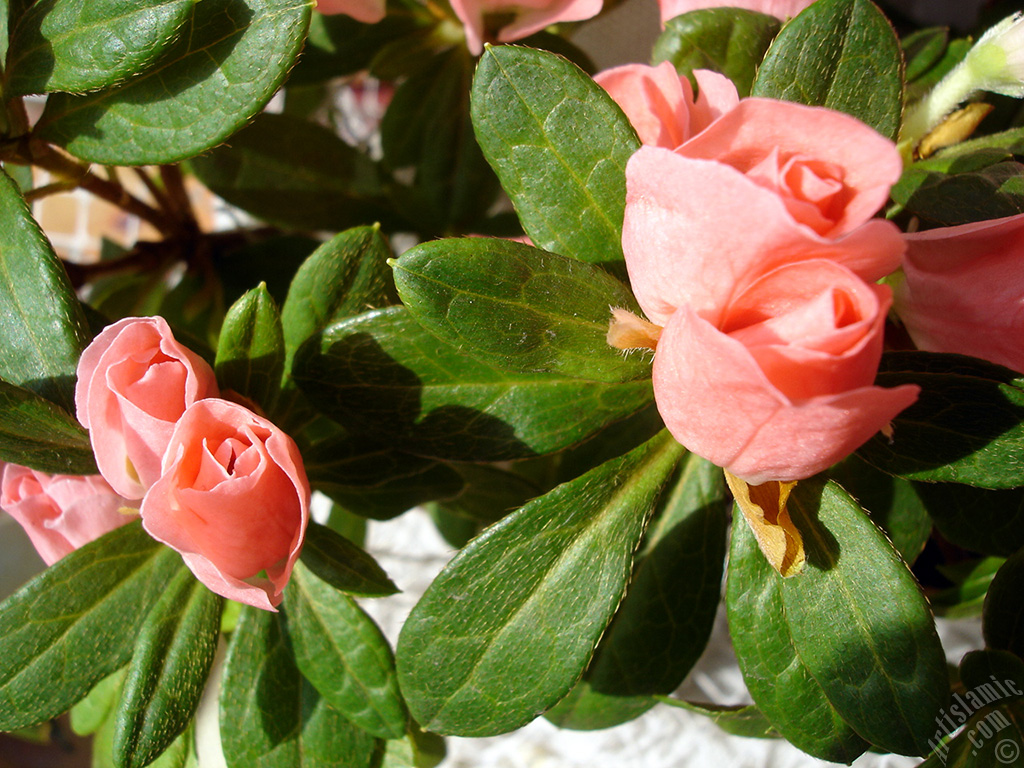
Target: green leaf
(344, 655)
(1003, 618)
(489, 493)
(895, 504)
(742, 720)
(559, 144)
(67, 45)
(728, 40)
(250, 353)
(343, 565)
(37, 433)
(664, 622)
(518, 307)
(992, 676)
(89, 714)
(271, 717)
(857, 621)
(978, 519)
(168, 671)
(840, 54)
(968, 188)
(293, 173)
(76, 623)
(338, 45)
(778, 680)
(375, 481)
(508, 626)
(966, 426)
(419, 749)
(381, 374)
(971, 580)
(426, 134)
(991, 738)
(923, 49)
(229, 59)
(42, 327)
(345, 276)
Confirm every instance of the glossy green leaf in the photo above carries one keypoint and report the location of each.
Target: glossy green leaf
(922, 49)
(168, 671)
(984, 521)
(250, 353)
(343, 565)
(966, 426)
(381, 374)
(509, 625)
(42, 327)
(855, 619)
(861, 624)
(339, 45)
(742, 720)
(229, 59)
(991, 738)
(778, 680)
(727, 40)
(972, 187)
(895, 504)
(419, 749)
(344, 655)
(442, 182)
(664, 622)
(971, 580)
(345, 276)
(559, 144)
(840, 54)
(293, 173)
(67, 45)
(76, 623)
(489, 493)
(992, 675)
(36, 433)
(89, 714)
(1003, 618)
(518, 307)
(375, 481)
(271, 717)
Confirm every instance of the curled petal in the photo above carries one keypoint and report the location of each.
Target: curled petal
(716, 401)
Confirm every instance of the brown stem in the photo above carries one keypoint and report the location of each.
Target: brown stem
(63, 167)
(154, 189)
(174, 186)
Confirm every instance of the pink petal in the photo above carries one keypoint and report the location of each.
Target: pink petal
(716, 401)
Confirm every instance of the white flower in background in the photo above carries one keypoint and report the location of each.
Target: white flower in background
(995, 64)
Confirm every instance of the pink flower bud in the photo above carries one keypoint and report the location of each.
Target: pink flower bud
(233, 499)
(134, 382)
(60, 513)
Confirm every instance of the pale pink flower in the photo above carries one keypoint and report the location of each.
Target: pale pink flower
(366, 11)
(134, 382)
(753, 246)
(233, 499)
(660, 104)
(60, 513)
(782, 9)
(963, 290)
(528, 16)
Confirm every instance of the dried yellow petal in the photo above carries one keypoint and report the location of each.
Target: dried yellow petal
(764, 507)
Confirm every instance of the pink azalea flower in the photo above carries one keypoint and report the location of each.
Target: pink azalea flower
(528, 16)
(233, 499)
(134, 382)
(660, 103)
(366, 11)
(782, 9)
(963, 290)
(753, 246)
(60, 513)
